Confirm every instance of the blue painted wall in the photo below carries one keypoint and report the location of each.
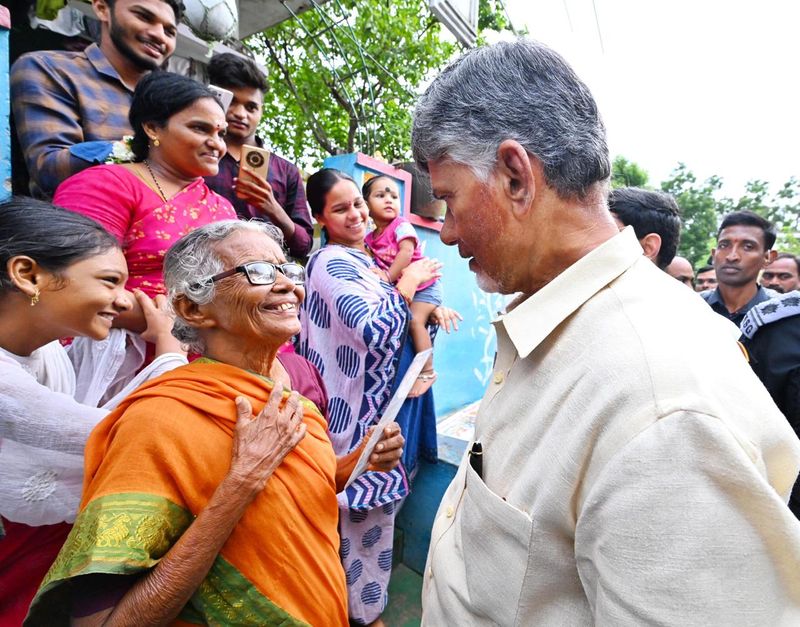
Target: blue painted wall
(462, 360)
(5, 109)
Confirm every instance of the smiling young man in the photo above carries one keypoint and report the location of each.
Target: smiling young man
(69, 107)
(280, 199)
(744, 247)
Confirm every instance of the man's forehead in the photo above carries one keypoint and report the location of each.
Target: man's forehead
(785, 264)
(742, 232)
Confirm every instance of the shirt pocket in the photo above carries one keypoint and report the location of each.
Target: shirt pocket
(495, 537)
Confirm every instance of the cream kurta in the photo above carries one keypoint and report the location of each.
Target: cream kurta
(635, 469)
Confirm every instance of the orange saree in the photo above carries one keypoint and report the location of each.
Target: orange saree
(153, 464)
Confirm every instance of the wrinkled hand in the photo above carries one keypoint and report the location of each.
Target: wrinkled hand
(257, 192)
(423, 270)
(261, 443)
(157, 315)
(445, 318)
(389, 449)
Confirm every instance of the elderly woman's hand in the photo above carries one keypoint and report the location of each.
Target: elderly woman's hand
(389, 449)
(261, 443)
(445, 318)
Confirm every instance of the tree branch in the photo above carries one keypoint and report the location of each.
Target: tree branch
(319, 133)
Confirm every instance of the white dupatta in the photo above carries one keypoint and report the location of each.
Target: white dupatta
(49, 403)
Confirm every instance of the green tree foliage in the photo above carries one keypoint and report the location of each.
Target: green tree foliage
(626, 173)
(345, 76)
(700, 211)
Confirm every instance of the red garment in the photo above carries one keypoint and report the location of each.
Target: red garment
(139, 218)
(26, 554)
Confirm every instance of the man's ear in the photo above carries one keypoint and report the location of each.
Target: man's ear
(651, 244)
(25, 274)
(102, 10)
(193, 314)
(517, 172)
(769, 257)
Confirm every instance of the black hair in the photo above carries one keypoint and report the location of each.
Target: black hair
(748, 218)
(54, 237)
(794, 258)
(177, 7)
(704, 269)
(231, 70)
(319, 184)
(366, 188)
(157, 97)
(649, 212)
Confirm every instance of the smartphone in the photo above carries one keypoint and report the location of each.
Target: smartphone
(225, 96)
(255, 160)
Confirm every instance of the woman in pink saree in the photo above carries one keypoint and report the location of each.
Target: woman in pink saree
(160, 196)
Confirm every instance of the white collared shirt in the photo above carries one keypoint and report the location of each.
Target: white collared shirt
(635, 471)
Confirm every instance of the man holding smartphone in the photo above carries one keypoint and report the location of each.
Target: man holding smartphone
(279, 198)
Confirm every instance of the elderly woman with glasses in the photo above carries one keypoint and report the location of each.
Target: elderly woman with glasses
(194, 511)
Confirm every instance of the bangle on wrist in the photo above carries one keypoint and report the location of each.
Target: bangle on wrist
(405, 296)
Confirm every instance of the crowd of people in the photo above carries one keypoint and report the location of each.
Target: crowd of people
(186, 388)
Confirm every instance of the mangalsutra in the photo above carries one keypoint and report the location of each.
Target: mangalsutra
(155, 180)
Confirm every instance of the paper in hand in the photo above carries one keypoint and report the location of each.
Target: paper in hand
(392, 409)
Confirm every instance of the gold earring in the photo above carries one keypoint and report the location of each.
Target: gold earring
(35, 297)
(156, 142)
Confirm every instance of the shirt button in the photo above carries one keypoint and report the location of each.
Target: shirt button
(498, 378)
(449, 512)
(430, 572)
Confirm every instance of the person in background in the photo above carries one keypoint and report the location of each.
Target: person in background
(195, 512)
(626, 459)
(354, 328)
(771, 336)
(783, 274)
(680, 268)
(61, 275)
(70, 107)
(744, 247)
(280, 199)
(655, 218)
(705, 279)
(154, 201)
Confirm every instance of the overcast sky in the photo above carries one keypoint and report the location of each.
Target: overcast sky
(712, 83)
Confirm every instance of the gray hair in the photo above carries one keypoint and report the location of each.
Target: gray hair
(190, 262)
(518, 90)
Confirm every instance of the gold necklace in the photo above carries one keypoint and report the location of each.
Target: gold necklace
(155, 180)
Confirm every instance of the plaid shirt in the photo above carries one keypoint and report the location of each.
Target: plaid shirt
(287, 187)
(61, 102)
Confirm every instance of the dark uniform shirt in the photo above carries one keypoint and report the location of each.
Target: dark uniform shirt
(772, 339)
(714, 298)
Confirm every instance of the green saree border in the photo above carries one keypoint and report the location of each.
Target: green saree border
(128, 533)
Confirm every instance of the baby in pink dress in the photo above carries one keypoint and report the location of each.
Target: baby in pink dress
(395, 245)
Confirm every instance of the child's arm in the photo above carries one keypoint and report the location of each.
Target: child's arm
(402, 259)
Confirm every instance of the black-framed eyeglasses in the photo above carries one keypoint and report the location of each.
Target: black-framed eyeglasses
(262, 273)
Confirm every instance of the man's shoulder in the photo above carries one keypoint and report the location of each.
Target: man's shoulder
(61, 61)
(286, 167)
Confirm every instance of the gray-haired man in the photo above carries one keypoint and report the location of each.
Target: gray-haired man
(633, 469)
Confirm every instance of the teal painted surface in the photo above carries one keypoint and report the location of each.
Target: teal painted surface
(463, 360)
(5, 111)
(415, 519)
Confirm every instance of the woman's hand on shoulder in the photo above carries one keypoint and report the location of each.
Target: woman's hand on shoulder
(389, 449)
(261, 443)
(159, 319)
(445, 318)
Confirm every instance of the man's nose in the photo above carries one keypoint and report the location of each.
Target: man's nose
(447, 234)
